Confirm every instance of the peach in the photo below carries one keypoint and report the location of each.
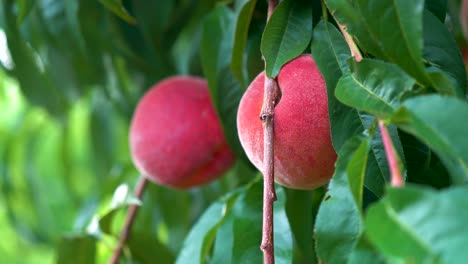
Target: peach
(176, 139)
(303, 153)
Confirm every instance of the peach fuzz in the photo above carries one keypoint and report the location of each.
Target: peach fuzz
(303, 153)
(176, 139)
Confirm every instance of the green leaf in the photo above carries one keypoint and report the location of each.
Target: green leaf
(185, 49)
(374, 86)
(402, 18)
(146, 248)
(102, 126)
(339, 222)
(34, 81)
(225, 90)
(123, 197)
(441, 51)
(301, 208)
(287, 34)
(404, 46)
(431, 119)
(24, 8)
(177, 222)
(377, 171)
(238, 238)
(155, 34)
(423, 165)
(331, 53)
(117, 8)
(405, 225)
(438, 8)
(364, 252)
(240, 40)
(200, 239)
(76, 249)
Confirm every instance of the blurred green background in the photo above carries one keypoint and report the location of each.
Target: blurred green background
(71, 74)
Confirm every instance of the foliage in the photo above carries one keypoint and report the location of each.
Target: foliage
(72, 72)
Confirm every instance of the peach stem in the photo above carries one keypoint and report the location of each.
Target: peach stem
(132, 210)
(270, 97)
(396, 179)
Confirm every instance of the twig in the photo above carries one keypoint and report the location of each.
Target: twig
(396, 179)
(270, 97)
(349, 39)
(351, 44)
(132, 210)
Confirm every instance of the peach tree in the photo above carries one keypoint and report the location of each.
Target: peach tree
(356, 108)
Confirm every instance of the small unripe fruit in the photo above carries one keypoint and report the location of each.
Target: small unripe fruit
(176, 138)
(303, 153)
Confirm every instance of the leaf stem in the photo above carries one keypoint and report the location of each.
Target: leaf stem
(270, 97)
(131, 213)
(396, 179)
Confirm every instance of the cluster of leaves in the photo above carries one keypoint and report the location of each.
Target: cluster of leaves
(85, 62)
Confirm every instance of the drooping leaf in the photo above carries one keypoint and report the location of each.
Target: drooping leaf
(240, 40)
(117, 8)
(200, 239)
(123, 197)
(364, 252)
(430, 118)
(339, 222)
(77, 249)
(423, 165)
(238, 238)
(330, 53)
(186, 47)
(442, 53)
(287, 34)
(374, 86)
(301, 208)
(420, 225)
(438, 8)
(146, 248)
(34, 82)
(225, 90)
(24, 7)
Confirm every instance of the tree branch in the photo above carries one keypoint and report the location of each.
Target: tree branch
(132, 210)
(269, 194)
(270, 98)
(396, 179)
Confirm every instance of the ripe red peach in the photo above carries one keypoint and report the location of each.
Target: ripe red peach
(303, 153)
(176, 139)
